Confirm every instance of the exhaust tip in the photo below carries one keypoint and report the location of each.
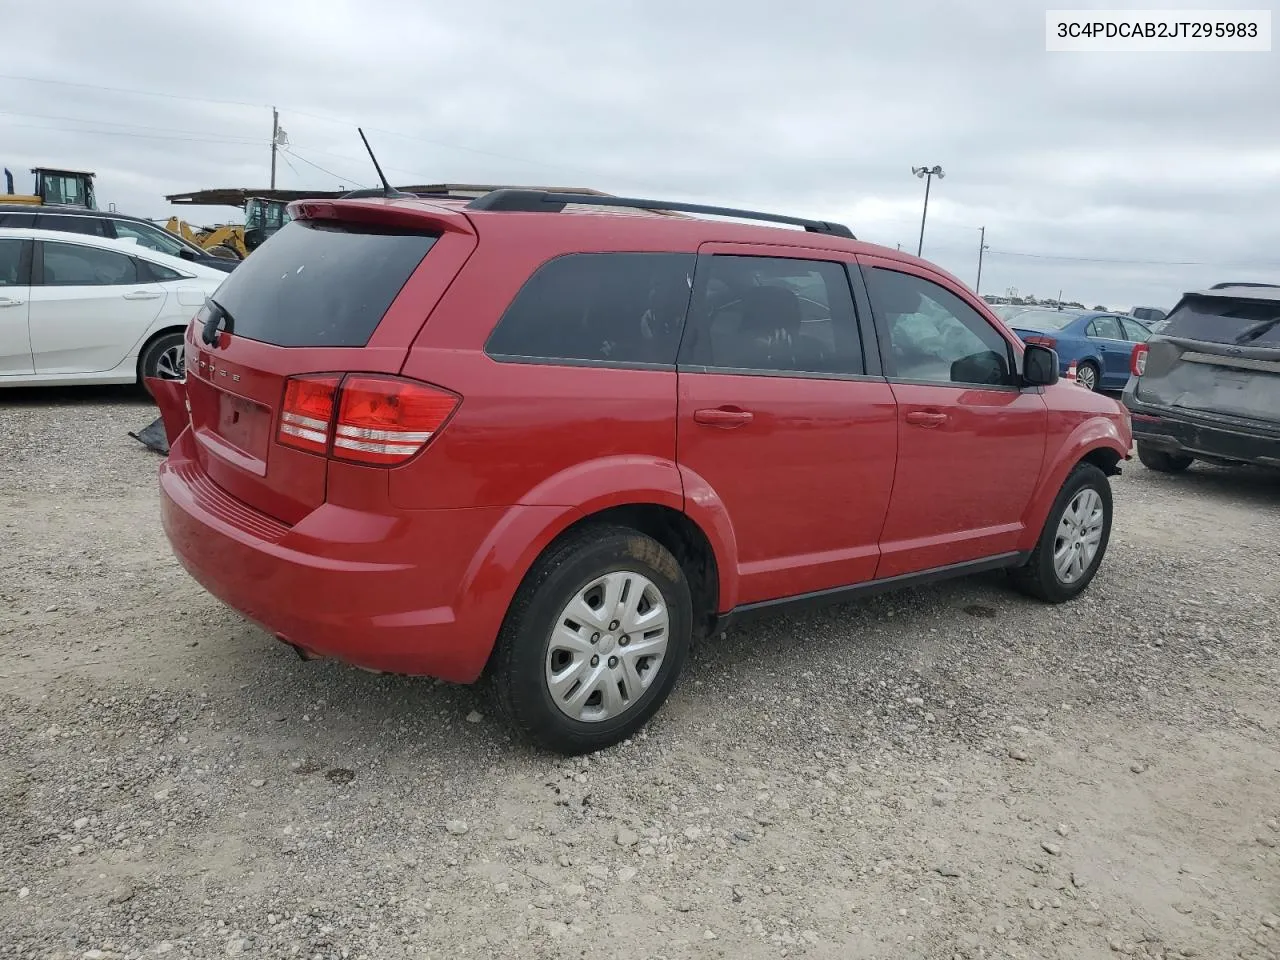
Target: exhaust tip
(302, 652)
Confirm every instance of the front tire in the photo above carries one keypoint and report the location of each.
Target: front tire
(593, 641)
(1160, 461)
(1074, 539)
(1088, 375)
(164, 357)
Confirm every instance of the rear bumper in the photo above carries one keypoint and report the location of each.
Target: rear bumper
(404, 593)
(1183, 434)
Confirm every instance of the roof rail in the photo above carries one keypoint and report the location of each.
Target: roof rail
(1223, 286)
(539, 201)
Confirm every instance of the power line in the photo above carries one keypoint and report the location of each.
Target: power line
(125, 133)
(337, 176)
(112, 123)
(140, 93)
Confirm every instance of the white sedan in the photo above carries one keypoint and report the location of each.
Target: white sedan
(84, 309)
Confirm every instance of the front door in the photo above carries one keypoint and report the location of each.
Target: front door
(15, 297)
(783, 419)
(970, 441)
(88, 308)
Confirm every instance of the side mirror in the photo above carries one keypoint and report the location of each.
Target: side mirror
(186, 254)
(1039, 366)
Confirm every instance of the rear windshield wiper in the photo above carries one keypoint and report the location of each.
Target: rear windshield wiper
(1256, 330)
(217, 314)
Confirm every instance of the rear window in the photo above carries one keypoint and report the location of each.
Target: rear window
(621, 308)
(1221, 320)
(320, 283)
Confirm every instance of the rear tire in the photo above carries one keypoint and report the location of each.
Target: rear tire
(565, 671)
(1160, 461)
(1070, 548)
(164, 357)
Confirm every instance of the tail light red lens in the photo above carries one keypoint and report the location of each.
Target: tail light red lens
(387, 420)
(379, 419)
(308, 411)
(1138, 362)
(1049, 342)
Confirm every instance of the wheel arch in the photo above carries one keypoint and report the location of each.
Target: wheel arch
(178, 328)
(1096, 441)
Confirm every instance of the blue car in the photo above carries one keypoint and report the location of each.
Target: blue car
(1101, 344)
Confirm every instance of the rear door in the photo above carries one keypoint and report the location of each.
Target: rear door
(88, 307)
(1113, 346)
(970, 441)
(336, 293)
(15, 297)
(785, 418)
(1217, 356)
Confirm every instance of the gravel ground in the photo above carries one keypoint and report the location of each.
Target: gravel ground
(950, 772)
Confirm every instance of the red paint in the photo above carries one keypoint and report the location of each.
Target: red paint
(798, 485)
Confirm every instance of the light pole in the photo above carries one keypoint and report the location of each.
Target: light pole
(927, 174)
(982, 246)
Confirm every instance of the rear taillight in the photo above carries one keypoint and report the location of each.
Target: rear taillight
(308, 412)
(1138, 362)
(379, 420)
(388, 420)
(1049, 342)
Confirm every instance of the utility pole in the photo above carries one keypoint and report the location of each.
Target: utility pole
(275, 137)
(982, 245)
(927, 174)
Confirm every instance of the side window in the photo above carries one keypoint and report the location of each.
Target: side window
(153, 238)
(775, 314)
(92, 226)
(11, 272)
(606, 307)
(72, 265)
(1106, 328)
(17, 219)
(935, 336)
(1135, 332)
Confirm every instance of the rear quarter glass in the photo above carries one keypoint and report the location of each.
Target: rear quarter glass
(321, 283)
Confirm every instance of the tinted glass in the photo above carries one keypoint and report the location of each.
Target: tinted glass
(777, 314)
(11, 262)
(71, 265)
(17, 219)
(1045, 321)
(1108, 328)
(153, 238)
(320, 284)
(149, 272)
(935, 336)
(1220, 320)
(1134, 331)
(93, 226)
(608, 307)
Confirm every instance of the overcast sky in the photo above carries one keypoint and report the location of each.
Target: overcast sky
(812, 107)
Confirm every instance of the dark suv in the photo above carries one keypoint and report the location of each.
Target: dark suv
(553, 438)
(104, 223)
(1207, 386)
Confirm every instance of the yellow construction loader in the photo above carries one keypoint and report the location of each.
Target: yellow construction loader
(223, 240)
(68, 188)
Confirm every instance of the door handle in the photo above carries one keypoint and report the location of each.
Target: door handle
(143, 295)
(725, 417)
(10, 302)
(926, 418)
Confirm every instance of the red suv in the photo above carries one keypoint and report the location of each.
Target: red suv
(550, 438)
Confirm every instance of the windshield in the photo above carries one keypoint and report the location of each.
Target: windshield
(1044, 319)
(1224, 320)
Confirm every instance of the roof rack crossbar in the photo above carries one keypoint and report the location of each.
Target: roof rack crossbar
(537, 201)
